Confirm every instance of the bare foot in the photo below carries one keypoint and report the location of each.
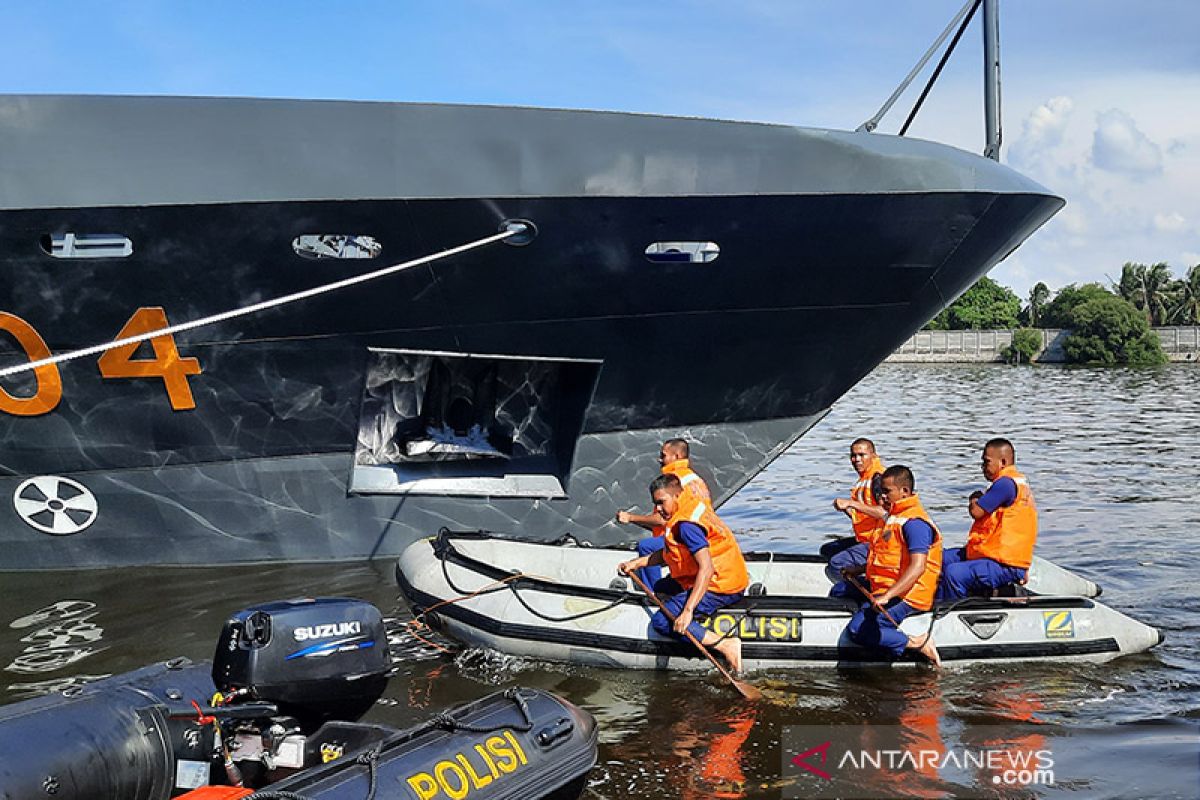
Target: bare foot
(731, 648)
(927, 649)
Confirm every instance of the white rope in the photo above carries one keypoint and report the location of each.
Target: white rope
(278, 301)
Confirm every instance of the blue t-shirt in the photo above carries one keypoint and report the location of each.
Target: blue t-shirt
(692, 535)
(1001, 494)
(918, 535)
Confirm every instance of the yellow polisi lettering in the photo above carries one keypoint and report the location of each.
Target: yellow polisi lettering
(456, 792)
(476, 767)
(517, 747)
(477, 781)
(506, 759)
(771, 629)
(424, 785)
(487, 759)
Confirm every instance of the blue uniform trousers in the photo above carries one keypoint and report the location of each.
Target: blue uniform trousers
(712, 601)
(963, 577)
(869, 628)
(651, 544)
(853, 556)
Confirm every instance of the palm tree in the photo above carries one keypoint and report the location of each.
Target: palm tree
(1039, 295)
(1130, 287)
(1156, 291)
(1186, 309)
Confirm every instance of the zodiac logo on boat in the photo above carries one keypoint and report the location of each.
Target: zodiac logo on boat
(1058, 624)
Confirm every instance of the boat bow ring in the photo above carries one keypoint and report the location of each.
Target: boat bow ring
(521, 231)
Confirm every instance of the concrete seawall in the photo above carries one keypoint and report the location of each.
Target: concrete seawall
(1179, 343)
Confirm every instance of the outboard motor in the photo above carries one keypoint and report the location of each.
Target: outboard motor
(282, 669)
(293, 678)
(315, 659)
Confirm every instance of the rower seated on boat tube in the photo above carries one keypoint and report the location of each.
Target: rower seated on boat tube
(863, 509)
(674, 458)
(904, 560)
(706, 564)
(1000, 545)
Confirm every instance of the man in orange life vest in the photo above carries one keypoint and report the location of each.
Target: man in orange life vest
(673, 457)
(1000, 545)
(861, 507)
(903, 564)
(707, 568)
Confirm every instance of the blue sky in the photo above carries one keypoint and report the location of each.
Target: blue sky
(1101, 98)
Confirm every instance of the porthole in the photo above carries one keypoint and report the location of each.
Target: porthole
(336, 245)
(86, 245)
(682, 252)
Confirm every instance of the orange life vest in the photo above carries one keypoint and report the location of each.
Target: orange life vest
(1009, 533)
(729, 568)
(888, 557)
(864, 525)
(692, 483)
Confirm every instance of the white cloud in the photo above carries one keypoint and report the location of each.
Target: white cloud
(1119, 146)
(1170, 223)
(1045, 124)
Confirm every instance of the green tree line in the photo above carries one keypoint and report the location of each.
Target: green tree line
(1110, 325)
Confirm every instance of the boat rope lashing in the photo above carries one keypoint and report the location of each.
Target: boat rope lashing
(510, 230)
(942, 611)
(449, 723)
(415, 626)
(369, 759)
(510, 582)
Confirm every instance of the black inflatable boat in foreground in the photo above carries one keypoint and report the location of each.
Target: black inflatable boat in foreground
(277, 712)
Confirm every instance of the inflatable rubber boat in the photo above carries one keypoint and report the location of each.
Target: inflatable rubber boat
(275, 715)
(566, 603)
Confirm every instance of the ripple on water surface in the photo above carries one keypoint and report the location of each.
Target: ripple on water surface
(1108, 452)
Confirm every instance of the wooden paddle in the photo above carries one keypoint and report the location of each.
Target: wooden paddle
(746, 690)
(870, 597)
(879, 607)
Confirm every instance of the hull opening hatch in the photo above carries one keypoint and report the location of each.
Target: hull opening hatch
(469, 424)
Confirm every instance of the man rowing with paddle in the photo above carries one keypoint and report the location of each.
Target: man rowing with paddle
(903, 564)
(674, 458)
(706, 564)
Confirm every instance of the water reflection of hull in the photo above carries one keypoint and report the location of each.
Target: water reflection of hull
(560, 604)
(307, 437)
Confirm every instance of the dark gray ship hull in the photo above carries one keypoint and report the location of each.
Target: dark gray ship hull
(834, 248)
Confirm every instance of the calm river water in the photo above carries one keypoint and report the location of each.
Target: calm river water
(1111, 455)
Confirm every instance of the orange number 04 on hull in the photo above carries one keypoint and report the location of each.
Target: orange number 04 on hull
(119, 362)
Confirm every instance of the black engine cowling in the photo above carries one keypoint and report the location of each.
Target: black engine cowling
(316, 659)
